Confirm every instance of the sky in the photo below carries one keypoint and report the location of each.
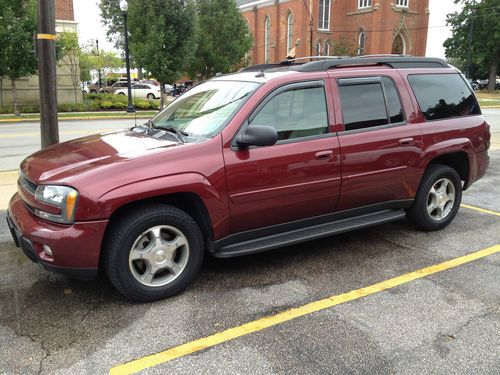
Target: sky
(90, 28)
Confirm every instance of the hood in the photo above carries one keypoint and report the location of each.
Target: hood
(74, 157)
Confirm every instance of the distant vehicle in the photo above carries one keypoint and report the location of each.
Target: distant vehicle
(115, 86)
(483, 84)
(153, 82)
(142, 90)
(168, 89)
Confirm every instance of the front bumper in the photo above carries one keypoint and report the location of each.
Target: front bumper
(75, 248)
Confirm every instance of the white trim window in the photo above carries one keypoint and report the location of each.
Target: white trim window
(361, 43)
(364, 3)
(324, 15)
(403, 3)
(289, 33)
(326, 48)
(267, 40)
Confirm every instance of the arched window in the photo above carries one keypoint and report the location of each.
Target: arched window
(318, 48)
(326, 49)
(399, 45)
(361, 43)
(267, 40)
(289, 33)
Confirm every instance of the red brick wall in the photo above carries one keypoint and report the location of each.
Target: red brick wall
(380, 23)
(64, 10)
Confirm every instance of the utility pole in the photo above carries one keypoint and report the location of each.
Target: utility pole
(311, 28)
(46, 40)
(99, 70)
(469, 47)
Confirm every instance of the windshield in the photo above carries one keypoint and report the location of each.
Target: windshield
(203, 111)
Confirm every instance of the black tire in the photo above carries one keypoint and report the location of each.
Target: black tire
(127, 229)
(418, 213)
(151, 96)
(93, 91)
(121, 93)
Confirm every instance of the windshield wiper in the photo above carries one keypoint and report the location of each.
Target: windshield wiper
(178, 133)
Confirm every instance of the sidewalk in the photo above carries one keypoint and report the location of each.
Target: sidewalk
(8, 186)
(75, 116)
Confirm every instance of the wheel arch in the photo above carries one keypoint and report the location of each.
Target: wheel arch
(189, 202)
(458, 160)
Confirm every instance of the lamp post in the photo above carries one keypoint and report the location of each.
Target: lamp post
(124, 9)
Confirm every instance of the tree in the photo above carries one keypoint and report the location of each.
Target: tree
(162, 34)
(165, 44)
(71, 54)
(485, 38)
(223, 38)
(17, 45)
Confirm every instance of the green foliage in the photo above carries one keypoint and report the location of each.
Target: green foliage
(142, 104)
(17, 28)
(485, 37)
(163, 36)
(106, 105)
(223, 38)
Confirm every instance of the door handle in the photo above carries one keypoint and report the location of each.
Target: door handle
(406, 141)
(323, 155)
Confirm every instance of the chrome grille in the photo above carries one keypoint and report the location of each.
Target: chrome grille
(26, 184)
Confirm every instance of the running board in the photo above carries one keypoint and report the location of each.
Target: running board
(308, 233)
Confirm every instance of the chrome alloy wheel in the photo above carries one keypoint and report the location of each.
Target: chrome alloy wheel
(159, 255)
(441, 199)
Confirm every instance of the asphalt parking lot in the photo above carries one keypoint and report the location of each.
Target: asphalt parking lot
(445, 322)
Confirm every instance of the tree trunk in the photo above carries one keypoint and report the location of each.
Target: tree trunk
(140, 76)
(1, 91)
(493, 74)
(14, 97)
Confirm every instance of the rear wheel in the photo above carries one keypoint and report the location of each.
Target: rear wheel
(153, 253)
(438, 198)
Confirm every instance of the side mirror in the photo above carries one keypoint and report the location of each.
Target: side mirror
(257, 135)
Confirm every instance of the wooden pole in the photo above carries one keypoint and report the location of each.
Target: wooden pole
(46, 40)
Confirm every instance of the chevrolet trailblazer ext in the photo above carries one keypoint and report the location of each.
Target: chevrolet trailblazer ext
(252, 161)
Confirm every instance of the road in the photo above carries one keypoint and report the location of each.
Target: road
(21, 139)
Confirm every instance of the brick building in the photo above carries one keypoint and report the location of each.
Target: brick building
(28, 87)
(339, 27)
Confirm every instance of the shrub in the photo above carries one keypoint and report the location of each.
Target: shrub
(119, 105)
(142, 104)
(106, 105)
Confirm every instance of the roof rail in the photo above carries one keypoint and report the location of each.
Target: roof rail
(288, 62)
(395, 62)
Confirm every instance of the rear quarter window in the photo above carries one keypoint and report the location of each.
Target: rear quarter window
(442, 96)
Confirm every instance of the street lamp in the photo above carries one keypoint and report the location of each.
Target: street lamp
(124, 9)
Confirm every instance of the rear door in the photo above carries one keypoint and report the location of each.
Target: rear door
(380, 144)
(297, 178)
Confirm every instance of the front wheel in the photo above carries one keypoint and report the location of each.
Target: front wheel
(153, 253)
(151, 96)
(438, 198)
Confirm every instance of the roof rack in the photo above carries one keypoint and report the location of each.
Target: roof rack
(395, 62)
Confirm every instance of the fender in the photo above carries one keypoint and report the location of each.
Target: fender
(191, 182)
(451, 146)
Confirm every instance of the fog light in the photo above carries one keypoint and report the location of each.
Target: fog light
(47, 250)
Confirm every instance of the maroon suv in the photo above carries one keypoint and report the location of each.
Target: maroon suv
(252, 161)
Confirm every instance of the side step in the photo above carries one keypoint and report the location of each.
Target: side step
(308, 233)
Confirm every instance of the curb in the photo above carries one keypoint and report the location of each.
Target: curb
(121, 117)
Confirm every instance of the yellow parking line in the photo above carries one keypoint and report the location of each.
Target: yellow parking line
(269, 321)
(479, 209)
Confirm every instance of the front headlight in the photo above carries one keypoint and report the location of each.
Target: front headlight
(62, 197)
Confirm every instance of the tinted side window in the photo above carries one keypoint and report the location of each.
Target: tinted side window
(443, 96)
(295, 113)
(393, 102)
(363, 106)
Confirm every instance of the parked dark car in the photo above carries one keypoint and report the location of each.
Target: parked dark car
(248, 162)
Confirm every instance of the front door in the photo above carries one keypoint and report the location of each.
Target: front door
(297, 178)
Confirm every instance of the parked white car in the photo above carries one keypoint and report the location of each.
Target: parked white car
(142, 91)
